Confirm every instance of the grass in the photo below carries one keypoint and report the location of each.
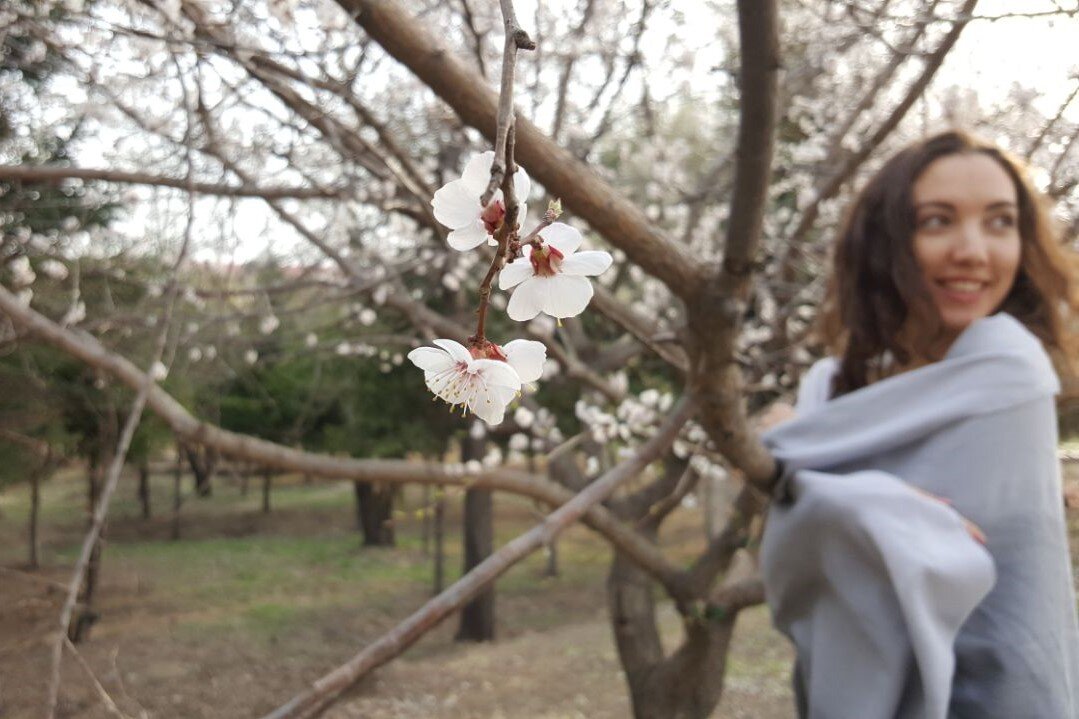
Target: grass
(280, 571)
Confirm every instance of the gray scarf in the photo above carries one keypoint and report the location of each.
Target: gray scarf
(895, 611)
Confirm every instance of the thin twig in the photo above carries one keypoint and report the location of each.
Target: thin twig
(105, 698)
(327, 688)
(516, 38)
(126, 435)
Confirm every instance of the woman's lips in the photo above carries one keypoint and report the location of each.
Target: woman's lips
(962, 291)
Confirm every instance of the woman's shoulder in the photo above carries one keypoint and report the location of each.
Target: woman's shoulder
(999, 332)
(815, 387)
(1003, 338)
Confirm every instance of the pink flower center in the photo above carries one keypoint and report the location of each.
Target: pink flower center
(488, 350)
(546, 261)
(492, 216)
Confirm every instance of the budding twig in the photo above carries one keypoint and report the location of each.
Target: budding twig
(516, 38)
(503, 167)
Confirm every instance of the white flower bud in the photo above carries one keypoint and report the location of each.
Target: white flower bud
(158, 372)
(251, 356)
(53, 269)
(268, 324)
(523, 417)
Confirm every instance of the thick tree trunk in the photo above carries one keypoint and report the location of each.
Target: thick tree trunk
(374, 513)
(35, 513)
(267, 483)
(79, 628)
(144, 487)
(551, 570)
(203, 461)
(687, 684)
(477, 622)
(425, 520)
(439, 531)
(177, 489)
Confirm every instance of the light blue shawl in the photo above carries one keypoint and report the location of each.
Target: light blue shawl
(894, 610)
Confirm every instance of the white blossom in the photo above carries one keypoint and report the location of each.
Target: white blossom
(523, 417)
(251, 356)
(484, 382)
(158, 372)
(367, 317)
(311, 340)
(75, 314)
(552, 279)
(457, 203)
(22, 275)
(53, 269)
(268, 324)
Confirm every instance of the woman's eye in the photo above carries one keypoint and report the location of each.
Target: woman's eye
(932, 222)
(1002, 222)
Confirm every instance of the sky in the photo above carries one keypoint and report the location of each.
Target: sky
(1034, 52)
(989, 58)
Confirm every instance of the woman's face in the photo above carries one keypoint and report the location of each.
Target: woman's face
(966, 237)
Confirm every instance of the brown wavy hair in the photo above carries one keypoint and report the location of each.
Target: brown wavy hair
(877, 300)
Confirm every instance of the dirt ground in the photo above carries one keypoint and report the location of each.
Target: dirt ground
(236, 618)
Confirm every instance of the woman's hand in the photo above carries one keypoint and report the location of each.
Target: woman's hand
(973, 529)
(776, 413)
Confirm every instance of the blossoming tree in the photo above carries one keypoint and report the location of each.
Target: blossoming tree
(293, 104)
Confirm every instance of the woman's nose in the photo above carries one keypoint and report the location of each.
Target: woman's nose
(970, 244)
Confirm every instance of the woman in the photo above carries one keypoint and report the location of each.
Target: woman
(948, 288)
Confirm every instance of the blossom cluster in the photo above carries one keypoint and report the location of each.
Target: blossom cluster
(548, 277)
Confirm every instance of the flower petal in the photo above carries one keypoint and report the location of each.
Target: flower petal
(468, 236)
(567, 295)
(488, 406)
(496, 383)
(430, 359)
(522, 185)
(514, 273)
(562, 237)
(456, 205)
(592, 262)
(528, 299)
(497, 373)
(478, 172)
(526, 357)
(457, 351)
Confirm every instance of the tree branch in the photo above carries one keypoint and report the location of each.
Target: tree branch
(56, 175)
(584, 192)
(327, 688)
(269, 454)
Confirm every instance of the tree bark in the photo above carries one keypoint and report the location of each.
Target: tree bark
(144, 487)
(374, 513)
(35, 512)
(439, 531)
(177, 488)
(425, 520)
(477, 623)
(203, 461)
(267, 483)
(79, 628)
(686, 685)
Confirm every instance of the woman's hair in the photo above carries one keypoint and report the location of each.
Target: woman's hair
(877, 300)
